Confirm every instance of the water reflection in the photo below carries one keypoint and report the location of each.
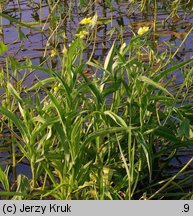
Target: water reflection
(118, 20)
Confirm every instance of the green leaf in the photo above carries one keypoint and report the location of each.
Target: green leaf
(49, 172)
(106, 131)
(39, 128)
(109, 59)
(23, 187)
(147, 152)
(156, 85)
(14, 63)
(22, 24)
(41, 83)
(21, 35)
(96, 65)
(7, 193)
(94, 89)
(14, 92)
(116, 118)
(61, 136)
(184, 129)
(19, 124)
(3, 47)
(73, 50)
(166, 133)
(104, 20)
(4, 179)
(171, 69)
(112, 88)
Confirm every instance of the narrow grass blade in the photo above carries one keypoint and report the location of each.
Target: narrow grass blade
(171, 179)
(109, 59)
(156, 85)
(112, 88)
(171, 69)
(42, 83)
(22, 24)
(4, 179)
(19, 124)
(116, 118)
(94, 89)
(106, 131)
(14, 92)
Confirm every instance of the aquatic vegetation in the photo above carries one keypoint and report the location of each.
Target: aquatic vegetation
(96, 127)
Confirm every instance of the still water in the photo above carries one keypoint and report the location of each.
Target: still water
(119, 20)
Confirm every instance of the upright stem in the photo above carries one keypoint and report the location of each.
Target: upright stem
(154, 23)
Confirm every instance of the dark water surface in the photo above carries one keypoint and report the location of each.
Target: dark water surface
(118, 20)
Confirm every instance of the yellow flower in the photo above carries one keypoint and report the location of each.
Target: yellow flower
(142, 30)
(81, 34)
(53, 53)
(56, 89)
(64, 51)
(86, 21)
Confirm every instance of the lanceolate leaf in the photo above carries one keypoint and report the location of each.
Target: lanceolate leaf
(11, 19)
(14, 92)
(184, 128)
(109, 59)
(147, 152)
(94, 89)
(19, 124)
(4, 179)
(112, 88)
(156, 85)
(171, 69)
(106, 131)
(116, 118)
